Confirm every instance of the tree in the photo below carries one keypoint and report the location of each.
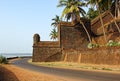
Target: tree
(54, 34)
(92, 13)
(116, 3)
(107, 5)
(56, 21)
(102, 6)
(98, 4)
(73, 10)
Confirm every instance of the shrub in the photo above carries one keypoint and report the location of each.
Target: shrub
(3, 60)
(112, 43)
(90, 45)
(118, 44)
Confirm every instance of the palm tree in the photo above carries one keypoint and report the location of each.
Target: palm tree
(102, 6)
(73, 10)
(106, 5)
(92, 13)
(56, 21)
(98, 4)
(54, 34)
(116, 2)
(116, 7)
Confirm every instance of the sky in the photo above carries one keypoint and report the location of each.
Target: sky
(21, 19)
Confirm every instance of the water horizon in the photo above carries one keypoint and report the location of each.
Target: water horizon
(9, 55)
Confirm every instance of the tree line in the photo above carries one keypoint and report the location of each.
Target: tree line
(74, 10)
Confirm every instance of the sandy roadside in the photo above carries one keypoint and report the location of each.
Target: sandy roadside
(14, 73)
(11, 72)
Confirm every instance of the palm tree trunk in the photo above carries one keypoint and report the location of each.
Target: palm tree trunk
(72, 17)
(78, 18)
(116, 8)
(102, 26)
(86, 32)
(115, 21)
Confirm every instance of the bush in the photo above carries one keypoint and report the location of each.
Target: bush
(112, 43)
(90, 45)
(118, 44)
(3, 60)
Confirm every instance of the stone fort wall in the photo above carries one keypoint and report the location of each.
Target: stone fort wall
(72, 46)
(69, 36)
(103, 55)
(44, 51)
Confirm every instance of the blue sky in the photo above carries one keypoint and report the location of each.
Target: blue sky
(21, 19)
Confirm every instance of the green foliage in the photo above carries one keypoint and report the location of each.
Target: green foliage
(102, 5)
(110, 43)
(72, 9)
(118, 44)
(56, 21)
(90, 45)
(54, 34)
(92, 13)
(107, 69)
(113, 43)
(3, 60)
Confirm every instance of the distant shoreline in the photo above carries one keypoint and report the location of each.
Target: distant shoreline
(15, 55)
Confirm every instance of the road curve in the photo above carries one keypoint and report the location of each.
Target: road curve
(72, 75)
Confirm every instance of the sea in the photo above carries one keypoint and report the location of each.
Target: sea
(10, 55)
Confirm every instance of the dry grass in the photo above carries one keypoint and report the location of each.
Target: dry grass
(70, 65)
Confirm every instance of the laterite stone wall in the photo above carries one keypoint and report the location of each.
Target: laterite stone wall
(72, 46)
(103, 55)
(45, 54)
(74, 36)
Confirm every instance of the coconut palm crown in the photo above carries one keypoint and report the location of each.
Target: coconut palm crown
(54, 34)
(56, 21)
(72, 9)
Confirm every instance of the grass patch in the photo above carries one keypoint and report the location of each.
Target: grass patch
(72, 65)
(108, 69)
